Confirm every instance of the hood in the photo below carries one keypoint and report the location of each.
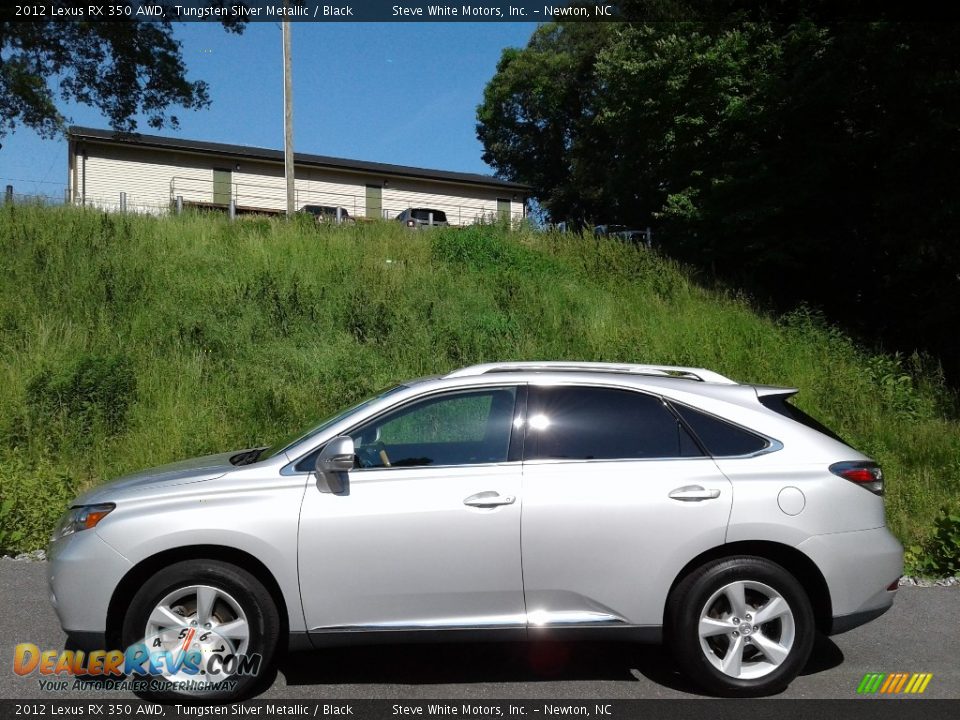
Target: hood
(178, 473)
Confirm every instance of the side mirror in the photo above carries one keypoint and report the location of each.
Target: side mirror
(333, 464)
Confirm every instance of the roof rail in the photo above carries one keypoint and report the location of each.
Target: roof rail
(699, 374)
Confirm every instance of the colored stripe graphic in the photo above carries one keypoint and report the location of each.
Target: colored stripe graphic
(894, 683)
(870, 683)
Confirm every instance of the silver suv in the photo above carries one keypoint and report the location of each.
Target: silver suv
(501, 501)
(418, 218)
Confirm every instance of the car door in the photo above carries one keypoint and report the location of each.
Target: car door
(427, 533)
(618, 497)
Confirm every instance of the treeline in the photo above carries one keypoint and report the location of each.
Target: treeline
(807, 158)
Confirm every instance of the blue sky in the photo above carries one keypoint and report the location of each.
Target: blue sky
(403, 93)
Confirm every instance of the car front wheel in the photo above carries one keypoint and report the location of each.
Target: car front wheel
(205, 629)
(740, 627)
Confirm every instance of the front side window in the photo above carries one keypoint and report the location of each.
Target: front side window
(592, 423)
(462, 428)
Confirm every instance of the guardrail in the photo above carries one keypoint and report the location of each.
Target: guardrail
(249, 198)
(235, 197)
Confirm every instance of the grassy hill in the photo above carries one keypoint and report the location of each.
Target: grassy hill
(131, 341)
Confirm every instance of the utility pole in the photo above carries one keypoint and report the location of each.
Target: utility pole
(288, 169)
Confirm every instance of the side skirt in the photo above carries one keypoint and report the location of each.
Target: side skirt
(340, 637)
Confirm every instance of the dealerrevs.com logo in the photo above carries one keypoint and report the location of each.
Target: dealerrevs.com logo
(894, 683)
(199, 662)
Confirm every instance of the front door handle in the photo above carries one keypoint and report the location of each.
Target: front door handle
(489, 498)
(694, 493)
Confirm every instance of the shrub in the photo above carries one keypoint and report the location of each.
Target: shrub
(90, 396)
(939, 555)
(32, 497)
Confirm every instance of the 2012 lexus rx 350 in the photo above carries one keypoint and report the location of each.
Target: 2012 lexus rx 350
(502, 501)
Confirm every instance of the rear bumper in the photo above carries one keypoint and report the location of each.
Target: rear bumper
(842, 623)
(858, 567)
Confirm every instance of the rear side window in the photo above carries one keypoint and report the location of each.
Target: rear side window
(424, 215)
(720, 438)
(779, 404)
(584, 423)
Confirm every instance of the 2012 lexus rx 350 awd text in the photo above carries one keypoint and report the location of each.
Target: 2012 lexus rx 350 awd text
(502, 501)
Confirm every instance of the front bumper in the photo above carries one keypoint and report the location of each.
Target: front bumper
(83, 571)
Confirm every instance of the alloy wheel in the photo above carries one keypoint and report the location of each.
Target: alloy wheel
(746, 629)
(198, 618)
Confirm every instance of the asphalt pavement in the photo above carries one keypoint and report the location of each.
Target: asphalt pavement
(920, 634)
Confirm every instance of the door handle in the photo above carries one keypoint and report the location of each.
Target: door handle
(489, 498)
(694, 493)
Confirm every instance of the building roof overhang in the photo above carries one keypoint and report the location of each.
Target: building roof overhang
(160, 142)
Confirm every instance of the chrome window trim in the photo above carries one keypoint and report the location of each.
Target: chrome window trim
(289, 468)
(570, 461)
(773, 445)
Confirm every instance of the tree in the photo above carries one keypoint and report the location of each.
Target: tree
(123, 68)
(805, 159)
(537, 119)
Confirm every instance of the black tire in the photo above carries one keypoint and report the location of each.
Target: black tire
(697, 658)
(233, 585)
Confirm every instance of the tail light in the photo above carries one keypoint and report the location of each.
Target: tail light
(411, 223)
(865, 474)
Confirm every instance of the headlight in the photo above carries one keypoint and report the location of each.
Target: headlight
(81, 518)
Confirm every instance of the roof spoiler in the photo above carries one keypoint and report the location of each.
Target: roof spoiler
(773, 390)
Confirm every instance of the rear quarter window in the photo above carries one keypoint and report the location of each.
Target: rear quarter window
(780, 405)
(718, 437)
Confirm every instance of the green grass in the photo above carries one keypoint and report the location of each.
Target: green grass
(132, 341)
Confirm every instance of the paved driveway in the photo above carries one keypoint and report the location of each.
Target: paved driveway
(920, 634)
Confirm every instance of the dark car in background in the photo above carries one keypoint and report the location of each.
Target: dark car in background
(423, 217)
(623, 232)
(328, 213)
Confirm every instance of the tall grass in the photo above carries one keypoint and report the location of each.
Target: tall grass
(132, 341)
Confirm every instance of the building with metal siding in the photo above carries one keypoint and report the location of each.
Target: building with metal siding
(151, 173)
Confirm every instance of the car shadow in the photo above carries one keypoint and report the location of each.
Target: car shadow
(468, 663)
(824, 656)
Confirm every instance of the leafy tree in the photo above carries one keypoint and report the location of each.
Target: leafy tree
(123, 68)
(802, 158)
(538, 115)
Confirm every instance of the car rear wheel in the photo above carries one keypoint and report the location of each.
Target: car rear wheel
(740, 627)
(208, 628)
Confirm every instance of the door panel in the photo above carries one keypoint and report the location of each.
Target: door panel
(402, 550)
(428, 533)
(503, 210)
(375, 202)
(602, 537)
(605, 538)
(222, 187)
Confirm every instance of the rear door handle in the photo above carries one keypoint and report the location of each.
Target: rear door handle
(694, 493)
(489, 498)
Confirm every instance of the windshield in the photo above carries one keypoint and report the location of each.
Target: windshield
(299, 436)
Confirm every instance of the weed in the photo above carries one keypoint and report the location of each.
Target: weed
(130, 341)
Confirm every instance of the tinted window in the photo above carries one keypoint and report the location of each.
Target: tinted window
(580, 423)
(779, 404)
(720, 438)
(424, 215)
(456, 429)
